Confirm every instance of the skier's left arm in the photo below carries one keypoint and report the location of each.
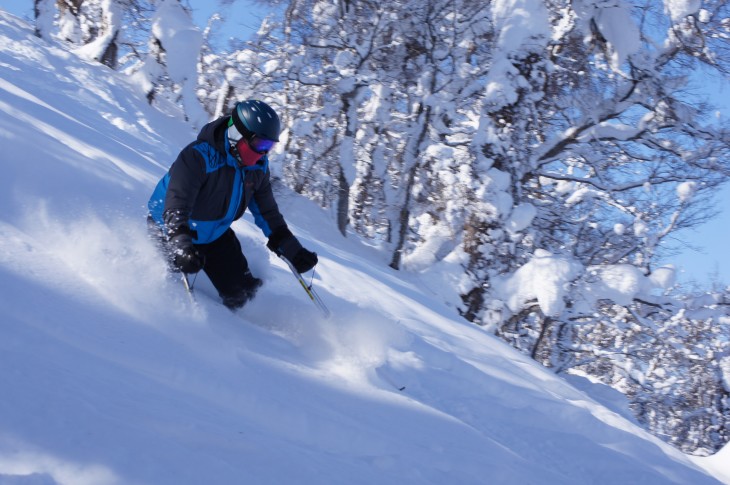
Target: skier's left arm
(267, 216)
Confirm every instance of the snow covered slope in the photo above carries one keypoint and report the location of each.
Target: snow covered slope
(717, 464)
(109, 375)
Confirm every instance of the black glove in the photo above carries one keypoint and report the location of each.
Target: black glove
(184, 255)
(283, 243)
(304, 260)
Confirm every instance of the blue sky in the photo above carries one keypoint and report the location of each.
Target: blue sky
(712, 237)
(241, 19)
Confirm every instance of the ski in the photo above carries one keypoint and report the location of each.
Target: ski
(308, 289)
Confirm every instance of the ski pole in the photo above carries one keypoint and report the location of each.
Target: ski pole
(308, 289)
(189, 286)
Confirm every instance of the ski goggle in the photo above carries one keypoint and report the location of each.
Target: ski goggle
(249, 147)
(260, 145)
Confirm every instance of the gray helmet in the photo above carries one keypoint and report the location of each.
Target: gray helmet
(258, 118)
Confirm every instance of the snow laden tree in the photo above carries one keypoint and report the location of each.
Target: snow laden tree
(95, 27)
(362, 88)
(168, 73)
(679, 388)
(668, 356)
(615, 158)
(332, 53)
(252, 69)
(604, 153)
(44, 12)
(154, 41)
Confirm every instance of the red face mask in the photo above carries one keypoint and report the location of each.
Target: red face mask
(247, 156)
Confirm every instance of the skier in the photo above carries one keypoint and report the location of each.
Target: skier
(210, 184)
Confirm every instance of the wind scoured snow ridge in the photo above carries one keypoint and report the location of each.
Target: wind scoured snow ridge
(110, 375)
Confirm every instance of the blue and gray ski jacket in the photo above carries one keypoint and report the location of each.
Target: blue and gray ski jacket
(205, 190)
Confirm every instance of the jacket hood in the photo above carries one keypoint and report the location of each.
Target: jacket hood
(214, 133)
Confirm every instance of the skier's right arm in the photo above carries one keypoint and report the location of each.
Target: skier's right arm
(186, 178)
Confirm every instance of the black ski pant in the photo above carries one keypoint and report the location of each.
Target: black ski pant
(225, 265)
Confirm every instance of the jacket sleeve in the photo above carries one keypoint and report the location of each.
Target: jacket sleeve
(186, 178)
(269, 219)
(264, 208)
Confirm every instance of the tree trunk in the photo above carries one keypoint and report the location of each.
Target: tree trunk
(412, 155)
(109, 57)
(343, 203)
